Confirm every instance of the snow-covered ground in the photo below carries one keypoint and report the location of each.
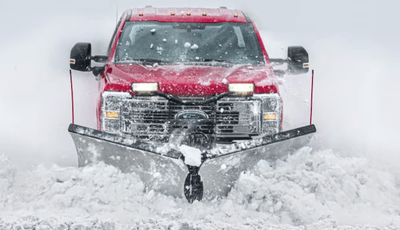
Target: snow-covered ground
(348, 178)
(311, 189)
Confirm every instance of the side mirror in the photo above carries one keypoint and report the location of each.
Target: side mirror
(81, 56)
(298, 62)
(100, 58)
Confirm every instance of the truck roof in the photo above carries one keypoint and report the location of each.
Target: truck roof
(201, 15)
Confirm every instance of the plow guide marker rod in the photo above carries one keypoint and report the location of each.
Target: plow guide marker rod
(312, 96)
(72, 97)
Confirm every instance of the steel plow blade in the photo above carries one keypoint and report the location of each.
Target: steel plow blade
(164, 174)
(220, 172)
(162, 168)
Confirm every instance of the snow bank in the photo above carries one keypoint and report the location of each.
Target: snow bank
(310, 186)
(309, 190)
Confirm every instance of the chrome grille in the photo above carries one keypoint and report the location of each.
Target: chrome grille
(149, 115)
(238, 117)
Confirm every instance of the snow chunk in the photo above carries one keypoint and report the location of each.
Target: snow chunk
(192, 155)
(153, 30)
(187, 45)
(194, 47)
(204, 81)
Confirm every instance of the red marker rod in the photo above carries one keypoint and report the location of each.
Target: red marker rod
(72, 97)
(312, 90)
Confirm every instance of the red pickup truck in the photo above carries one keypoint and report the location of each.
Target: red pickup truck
(176, 77)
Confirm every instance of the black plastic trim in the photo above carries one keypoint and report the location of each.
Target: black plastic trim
(128, 15)
(113, 37)
(247, 17)
(261, 53)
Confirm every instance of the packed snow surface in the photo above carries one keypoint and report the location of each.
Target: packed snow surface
(311, 189)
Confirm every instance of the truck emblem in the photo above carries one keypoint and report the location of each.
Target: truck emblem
(191, 115)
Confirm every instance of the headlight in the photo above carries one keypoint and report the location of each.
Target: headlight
(243, 88)
(144, 87)
(110, 110)
(271, 111)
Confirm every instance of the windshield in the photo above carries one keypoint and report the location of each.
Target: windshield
(234, 43)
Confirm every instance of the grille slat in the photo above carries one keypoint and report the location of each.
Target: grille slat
(142, 116)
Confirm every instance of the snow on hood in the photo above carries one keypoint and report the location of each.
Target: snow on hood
(315, 189)
(191, 80)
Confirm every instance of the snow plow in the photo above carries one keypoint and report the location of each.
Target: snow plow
(188, 101)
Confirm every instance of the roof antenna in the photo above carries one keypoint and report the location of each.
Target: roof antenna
(116, 13)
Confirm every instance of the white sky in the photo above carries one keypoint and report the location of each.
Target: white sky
(353, 47)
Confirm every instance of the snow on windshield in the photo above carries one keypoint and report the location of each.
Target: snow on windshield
(179, 42)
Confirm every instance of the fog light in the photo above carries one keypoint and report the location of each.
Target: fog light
(111, 114)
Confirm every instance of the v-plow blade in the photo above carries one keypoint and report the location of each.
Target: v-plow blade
(162, 168)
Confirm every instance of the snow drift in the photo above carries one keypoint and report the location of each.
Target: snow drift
(313, 188)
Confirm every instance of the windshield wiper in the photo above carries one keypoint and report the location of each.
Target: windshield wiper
(216, 60)
(149, 60)
(143, 61)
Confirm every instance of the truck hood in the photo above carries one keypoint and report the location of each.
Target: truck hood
(185, 80)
